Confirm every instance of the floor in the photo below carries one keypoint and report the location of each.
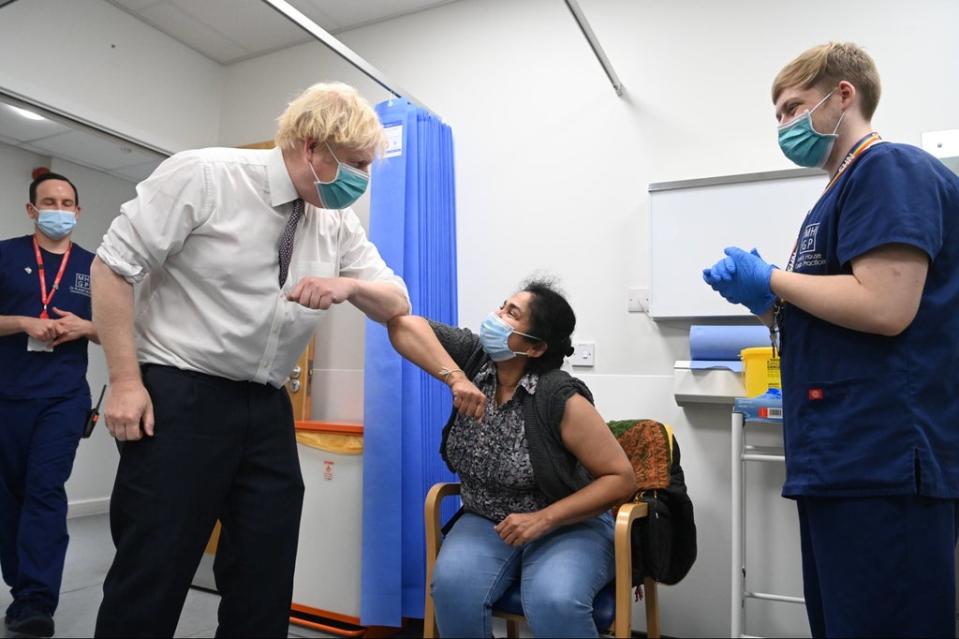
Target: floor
(88, 558)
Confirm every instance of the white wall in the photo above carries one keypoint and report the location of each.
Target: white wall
(16, 166)
(89, 487)
(552, 171)
(93, 61)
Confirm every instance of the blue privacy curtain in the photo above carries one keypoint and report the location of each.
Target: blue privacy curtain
(413, 223)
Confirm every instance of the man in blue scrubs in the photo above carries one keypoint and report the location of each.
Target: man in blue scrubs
(44, 398)
(866, 310)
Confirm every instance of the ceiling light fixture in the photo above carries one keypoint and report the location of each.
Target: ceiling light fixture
(30, 115)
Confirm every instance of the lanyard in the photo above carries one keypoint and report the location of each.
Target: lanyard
(44, 296)
(865, 144)
(775, 332)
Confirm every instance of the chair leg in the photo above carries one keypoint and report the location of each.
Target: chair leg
(652, 608)
(429, 618)
(512, 629)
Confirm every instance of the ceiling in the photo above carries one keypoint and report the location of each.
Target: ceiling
(225, 31)
(74, 143)
(229, 31)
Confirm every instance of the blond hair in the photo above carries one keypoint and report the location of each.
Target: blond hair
(331, 112)
(826, 66)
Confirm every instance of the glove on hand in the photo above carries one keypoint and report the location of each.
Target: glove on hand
(742, 278)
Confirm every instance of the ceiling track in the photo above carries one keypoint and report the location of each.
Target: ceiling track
(330, 41)
(594, 44)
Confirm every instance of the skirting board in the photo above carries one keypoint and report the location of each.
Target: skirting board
(86, 507)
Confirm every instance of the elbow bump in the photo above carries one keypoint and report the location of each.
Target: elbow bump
(394, 323)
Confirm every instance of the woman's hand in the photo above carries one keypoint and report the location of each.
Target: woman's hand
(519, 529)
(467, 399)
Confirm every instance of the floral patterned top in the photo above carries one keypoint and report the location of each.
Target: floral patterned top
(492, 456)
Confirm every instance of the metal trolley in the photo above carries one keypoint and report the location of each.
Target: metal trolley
(765, 409)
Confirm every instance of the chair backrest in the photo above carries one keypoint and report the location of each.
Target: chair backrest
(648, 444)
(664, 543)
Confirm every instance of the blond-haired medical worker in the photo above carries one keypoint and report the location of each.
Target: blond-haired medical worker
(866, 307)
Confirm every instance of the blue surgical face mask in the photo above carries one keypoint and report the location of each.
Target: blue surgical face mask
(344, 189)
(494, 338)
(56, 224)
(803, 144)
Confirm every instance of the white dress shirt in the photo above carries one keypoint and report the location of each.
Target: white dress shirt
(200, 242)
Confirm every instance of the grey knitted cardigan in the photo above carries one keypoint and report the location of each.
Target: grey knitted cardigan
(556, 471)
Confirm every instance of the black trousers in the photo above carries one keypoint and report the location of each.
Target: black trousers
(221, 450)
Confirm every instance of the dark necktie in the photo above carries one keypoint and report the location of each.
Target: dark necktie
(286, 240)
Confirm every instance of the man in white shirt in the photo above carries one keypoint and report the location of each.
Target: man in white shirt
(233, 273)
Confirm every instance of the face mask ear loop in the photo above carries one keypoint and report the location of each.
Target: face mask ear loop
(330, 149)
(532, 337)
(338, 167)
(313, 171)
(826, 97)
(810, 112)
(841, 116)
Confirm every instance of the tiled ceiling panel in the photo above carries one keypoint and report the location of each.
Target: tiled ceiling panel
(229, 31)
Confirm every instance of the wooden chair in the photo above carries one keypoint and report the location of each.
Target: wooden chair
(613, 605)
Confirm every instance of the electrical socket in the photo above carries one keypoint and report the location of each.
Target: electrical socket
(584, 354)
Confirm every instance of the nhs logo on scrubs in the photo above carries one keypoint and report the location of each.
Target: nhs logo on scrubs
(807, 243)
(81, 284)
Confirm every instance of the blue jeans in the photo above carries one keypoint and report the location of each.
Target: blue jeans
(560, 572)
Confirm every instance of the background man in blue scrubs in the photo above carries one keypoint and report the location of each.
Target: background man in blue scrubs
(867, 314)
(44, 398)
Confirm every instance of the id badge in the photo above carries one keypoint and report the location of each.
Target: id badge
(37, 345)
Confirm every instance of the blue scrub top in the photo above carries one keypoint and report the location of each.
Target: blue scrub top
(866, 414)
(31, 374)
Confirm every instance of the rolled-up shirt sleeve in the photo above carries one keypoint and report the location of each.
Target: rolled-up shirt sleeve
(359, 257)
(170, 204)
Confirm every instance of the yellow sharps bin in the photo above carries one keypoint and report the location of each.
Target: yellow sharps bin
(761, 370)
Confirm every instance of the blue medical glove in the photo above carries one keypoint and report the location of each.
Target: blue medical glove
(743, 281)
(721, 271)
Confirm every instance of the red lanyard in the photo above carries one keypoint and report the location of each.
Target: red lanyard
(44, 297)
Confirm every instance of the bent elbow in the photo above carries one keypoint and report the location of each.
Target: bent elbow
(629, 485)
(894, 324)
(393, 325)
(396, 324)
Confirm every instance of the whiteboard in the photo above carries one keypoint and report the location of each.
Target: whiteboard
(692, 222)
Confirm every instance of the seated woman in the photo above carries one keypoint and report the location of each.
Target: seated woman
(539, 468)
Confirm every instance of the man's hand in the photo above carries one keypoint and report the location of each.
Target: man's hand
(322, 292)
(467, 399)
(70, 327)
(519, 529)
(128, 406)
(44, 330)
(742, 278)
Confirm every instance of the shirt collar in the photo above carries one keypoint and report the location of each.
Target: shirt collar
(487, 374)
(280, 185)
